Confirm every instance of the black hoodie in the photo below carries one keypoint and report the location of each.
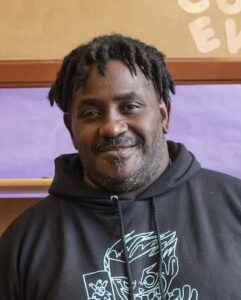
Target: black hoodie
(81, 243)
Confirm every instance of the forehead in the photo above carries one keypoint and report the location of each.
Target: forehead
(116, 80)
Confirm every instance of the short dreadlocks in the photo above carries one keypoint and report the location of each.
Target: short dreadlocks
(132, 52)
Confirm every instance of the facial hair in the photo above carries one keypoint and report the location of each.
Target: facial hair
(152, 160)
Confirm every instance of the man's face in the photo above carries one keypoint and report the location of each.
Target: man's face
(116, 123)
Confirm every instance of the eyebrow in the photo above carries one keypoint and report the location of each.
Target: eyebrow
(127, 96)
(88, 102)
(118, 97)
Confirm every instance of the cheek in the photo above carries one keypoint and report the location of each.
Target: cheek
(84, 144)
(83, 139)
(150, 127)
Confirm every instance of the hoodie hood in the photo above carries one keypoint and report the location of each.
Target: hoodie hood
(68, 179)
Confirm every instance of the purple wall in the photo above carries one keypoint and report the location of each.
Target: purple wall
(32, 134)
(206, 118)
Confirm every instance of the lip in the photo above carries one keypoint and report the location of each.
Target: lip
(119, 151)
(116, 147)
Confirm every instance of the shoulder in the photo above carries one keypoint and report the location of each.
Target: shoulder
(211, 177)
(38, 226)
(217, 188)
(33, 217)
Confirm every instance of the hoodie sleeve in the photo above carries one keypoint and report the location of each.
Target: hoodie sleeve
(9, 281)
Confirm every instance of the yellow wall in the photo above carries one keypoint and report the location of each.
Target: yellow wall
(43, 29)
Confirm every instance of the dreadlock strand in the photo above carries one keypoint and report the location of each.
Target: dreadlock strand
(132, 52)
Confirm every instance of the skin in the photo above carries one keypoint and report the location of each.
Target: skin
(117, 124)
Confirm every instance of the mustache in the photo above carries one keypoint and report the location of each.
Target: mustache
(120, 141)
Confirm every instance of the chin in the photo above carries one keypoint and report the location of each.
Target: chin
(119, 181)
(116, 176)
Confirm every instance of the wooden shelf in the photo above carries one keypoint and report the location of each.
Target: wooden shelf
(24, 187)
(18, 194)
(41, 73)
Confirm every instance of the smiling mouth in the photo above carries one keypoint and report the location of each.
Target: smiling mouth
(116, 145)
(119, 151)
(115, 148)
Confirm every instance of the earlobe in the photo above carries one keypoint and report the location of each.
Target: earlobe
(165, 112)
(68, 125)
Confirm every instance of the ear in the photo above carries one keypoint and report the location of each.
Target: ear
(68, 125)
(165, 112)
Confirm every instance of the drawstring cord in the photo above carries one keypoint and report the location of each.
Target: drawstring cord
(163, 296)
(114, 198)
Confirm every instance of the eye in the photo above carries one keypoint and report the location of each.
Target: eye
(90, 114)
(131, 107)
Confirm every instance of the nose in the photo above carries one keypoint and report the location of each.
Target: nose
(113, 127)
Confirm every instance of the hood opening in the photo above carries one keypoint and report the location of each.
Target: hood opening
(68, 180)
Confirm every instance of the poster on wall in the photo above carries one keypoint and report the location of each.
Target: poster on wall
(214, 26)
(179, 28)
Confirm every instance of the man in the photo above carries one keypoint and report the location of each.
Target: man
(130, 216)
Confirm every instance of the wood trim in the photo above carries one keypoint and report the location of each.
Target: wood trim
(41, 73)
(205, 71)
(24, 182)
(24, 186)
(32, 73)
